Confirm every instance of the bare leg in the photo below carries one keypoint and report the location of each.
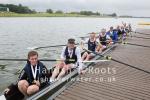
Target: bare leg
(103, 48)
(32, 89)
(99, 49)
(88, 57)
(55, 72)
(61, 74)
(84, 56)
(63, 71)
(22, 86)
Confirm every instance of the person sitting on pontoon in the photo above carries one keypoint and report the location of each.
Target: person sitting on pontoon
(113, 34)
(33, 76)
(93, 44)
(70, 58)
(104, 39)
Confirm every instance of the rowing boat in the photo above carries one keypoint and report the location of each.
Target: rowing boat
(52, 90)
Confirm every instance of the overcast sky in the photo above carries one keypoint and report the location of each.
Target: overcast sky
(121, 7)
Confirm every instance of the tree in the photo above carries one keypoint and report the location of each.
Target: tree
(86, 12)
(97, 13)
(49, 11)
(18, 8)
(113, 14)
(74, 13)
(59, 12)
(34, 11)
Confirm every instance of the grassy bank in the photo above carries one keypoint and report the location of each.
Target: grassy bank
(3, 14)
(10, 14)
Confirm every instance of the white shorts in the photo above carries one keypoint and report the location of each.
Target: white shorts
(92, 54)
(104, 46)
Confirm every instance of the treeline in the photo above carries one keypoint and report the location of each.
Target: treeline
(51, 11)
(26, 10)
(18, 8)
(88, 13)
(81, 12)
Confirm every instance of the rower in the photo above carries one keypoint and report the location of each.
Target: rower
(130, 28)
(70, 58)
(104, 39)
(123, 33)
(118, 31)
(93, 44)
(29, 81)
(112, 33)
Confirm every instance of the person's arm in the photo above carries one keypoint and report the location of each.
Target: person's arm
(22, 75)
(108, 33)
(79, 60)
(97, 36)
(83, 42)
(98, 45)
(116, 36)
(62, 56)
(108, 38)
(45, 75)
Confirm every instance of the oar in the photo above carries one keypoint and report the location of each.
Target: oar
(110, 58)
(95, 61)
(27, 59)
(36, 48)
(136, 44)
(140, 37)
(140, 33)
(87, 36)
(83, 37)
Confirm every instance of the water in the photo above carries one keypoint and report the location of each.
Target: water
(20, 33)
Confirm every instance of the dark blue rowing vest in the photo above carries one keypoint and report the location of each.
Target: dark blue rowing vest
(91, 45)
(28, 71)
(69, 59)
(102, 40)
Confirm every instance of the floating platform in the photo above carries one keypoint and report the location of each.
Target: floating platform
(125, 84)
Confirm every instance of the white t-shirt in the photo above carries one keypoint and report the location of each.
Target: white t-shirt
(77, 53)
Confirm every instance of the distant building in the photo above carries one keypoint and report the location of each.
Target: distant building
(4, 9)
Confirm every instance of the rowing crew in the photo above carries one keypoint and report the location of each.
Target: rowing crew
(103, 40)
(31, 77)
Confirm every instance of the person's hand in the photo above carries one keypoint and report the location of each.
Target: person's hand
(83, 72)
(37, 82)
(62, 63)
(6, 90)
